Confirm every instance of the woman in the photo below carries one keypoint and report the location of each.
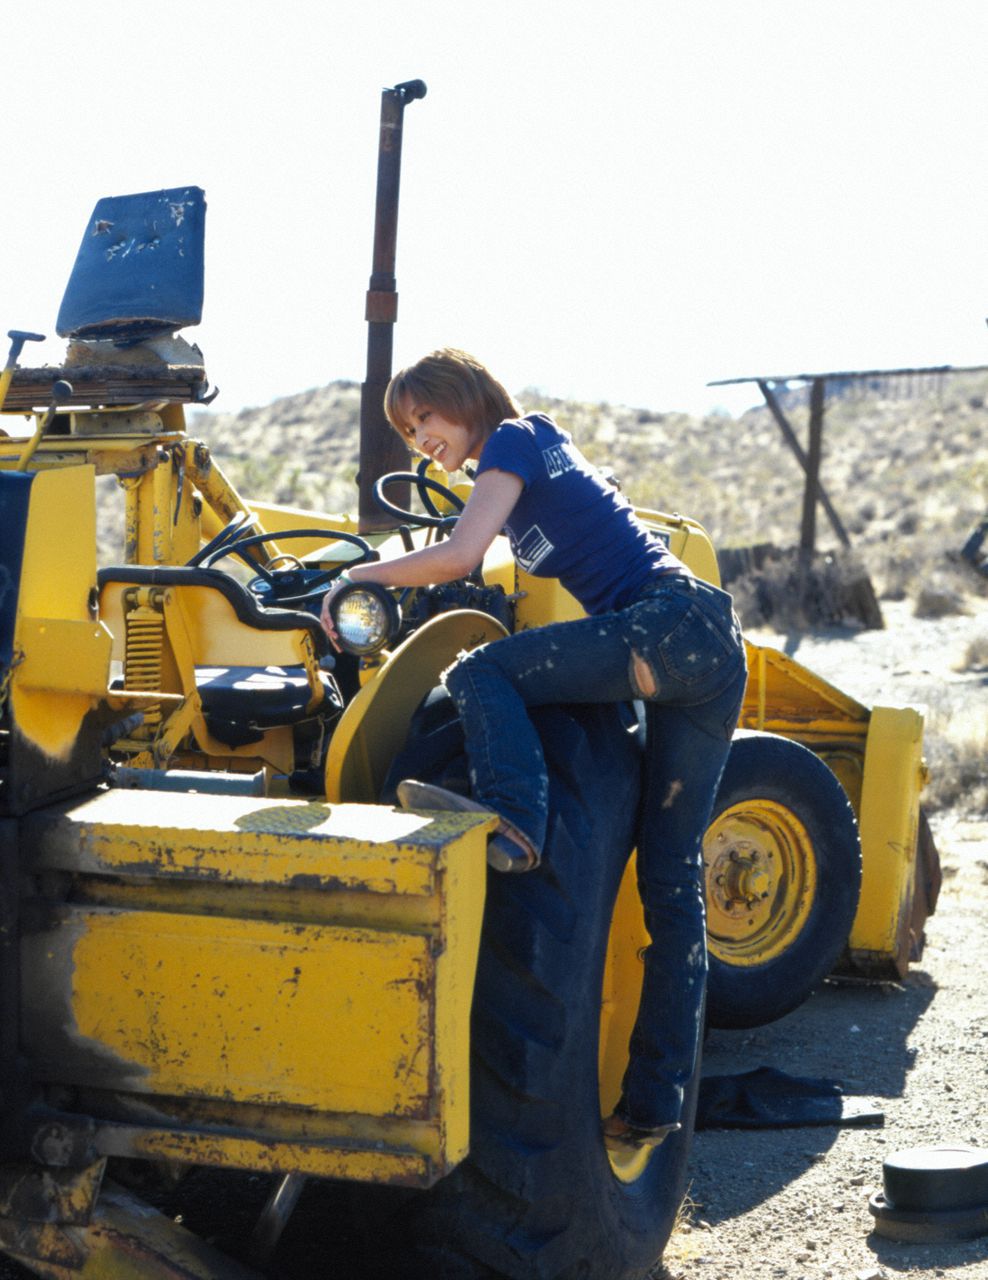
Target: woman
(653, 632)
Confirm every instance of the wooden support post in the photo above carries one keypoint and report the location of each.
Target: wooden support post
(807, 532)
(792, 441)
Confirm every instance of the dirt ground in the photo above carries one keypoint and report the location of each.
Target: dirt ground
(793, 1203)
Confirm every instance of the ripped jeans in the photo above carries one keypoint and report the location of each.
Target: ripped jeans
(678, 648)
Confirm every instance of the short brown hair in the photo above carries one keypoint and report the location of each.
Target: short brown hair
(452, 383)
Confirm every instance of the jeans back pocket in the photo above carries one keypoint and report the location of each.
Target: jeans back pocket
(695, 649)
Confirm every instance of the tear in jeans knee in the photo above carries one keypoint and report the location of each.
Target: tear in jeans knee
(457, 661)
(642, 676)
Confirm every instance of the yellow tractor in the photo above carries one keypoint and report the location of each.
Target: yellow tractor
(226, 953)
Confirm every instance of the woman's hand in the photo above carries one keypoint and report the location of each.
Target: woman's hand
(494, 495)
(325, 617)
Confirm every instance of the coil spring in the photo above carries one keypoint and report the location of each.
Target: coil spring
(143, 646)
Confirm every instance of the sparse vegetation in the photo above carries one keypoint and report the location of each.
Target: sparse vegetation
(956, 746)
(975, 656)
(938, 602)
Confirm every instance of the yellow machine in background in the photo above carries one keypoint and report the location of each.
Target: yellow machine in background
(224, 949)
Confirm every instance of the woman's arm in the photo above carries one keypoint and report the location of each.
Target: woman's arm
(488, 507)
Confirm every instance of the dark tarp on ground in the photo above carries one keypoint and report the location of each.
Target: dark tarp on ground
(769, 1099)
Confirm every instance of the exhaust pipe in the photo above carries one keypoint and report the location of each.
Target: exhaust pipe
(381, 449)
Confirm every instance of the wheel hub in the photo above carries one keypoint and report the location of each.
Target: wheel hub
(742, 874)
(760, 880)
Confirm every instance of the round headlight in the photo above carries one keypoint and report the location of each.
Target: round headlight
(366, 617)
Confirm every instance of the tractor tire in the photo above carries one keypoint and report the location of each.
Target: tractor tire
(538, 1195)
(783, 875)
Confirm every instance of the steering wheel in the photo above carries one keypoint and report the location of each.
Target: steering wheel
(242, 523)
(423, 484)
(281, 585)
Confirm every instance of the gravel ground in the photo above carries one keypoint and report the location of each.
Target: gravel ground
(793, 1203)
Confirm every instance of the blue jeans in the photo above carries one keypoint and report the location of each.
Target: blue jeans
(678, 649)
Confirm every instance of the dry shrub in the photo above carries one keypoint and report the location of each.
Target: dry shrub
(899, 573)
(684, 1246)
(783, 590)
(939, 602)
(975, 655)
(956, 748)
(911, 567)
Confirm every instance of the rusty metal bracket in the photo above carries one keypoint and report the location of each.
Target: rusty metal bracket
(117, 1235)
(34, 1194)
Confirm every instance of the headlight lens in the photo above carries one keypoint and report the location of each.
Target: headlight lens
(366, 618)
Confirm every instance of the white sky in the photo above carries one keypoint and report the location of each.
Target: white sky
(612, 200)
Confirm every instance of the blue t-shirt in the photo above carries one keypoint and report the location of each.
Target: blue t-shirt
(569, 523)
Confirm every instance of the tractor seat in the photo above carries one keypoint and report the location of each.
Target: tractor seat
(243, 602)
(249, 669)
(238, 703)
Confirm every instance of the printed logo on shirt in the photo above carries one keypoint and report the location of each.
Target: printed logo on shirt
(557, 460)
(531, 549)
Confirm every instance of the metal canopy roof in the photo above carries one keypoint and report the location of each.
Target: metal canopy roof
(850, 373)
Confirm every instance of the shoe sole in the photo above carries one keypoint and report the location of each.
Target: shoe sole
(632, 1139)
(425, 795)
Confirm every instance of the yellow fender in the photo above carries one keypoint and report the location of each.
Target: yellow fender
(882, 938)
(372, 729)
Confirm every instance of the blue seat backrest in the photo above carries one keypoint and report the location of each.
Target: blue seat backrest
(139, 269)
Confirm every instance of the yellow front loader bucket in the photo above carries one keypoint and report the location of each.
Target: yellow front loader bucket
(255, 984)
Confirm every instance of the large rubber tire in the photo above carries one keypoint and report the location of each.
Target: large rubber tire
(538, 1197)
(783, 877)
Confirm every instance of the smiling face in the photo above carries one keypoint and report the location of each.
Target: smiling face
(446, 405)
(447, 443)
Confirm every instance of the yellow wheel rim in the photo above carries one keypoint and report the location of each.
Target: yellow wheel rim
(621, 992)
(628, 1166)
(761, 874)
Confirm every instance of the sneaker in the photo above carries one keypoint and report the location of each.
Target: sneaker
(619, 1135)
(508, 849)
